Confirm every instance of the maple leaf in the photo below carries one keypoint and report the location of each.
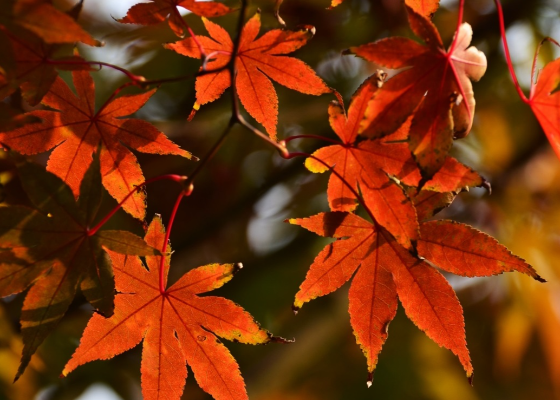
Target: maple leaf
(387, 271)
(366, 165)
(426, 8)
(27, 64)
(49, 249)
(177, 326)
(43, 19)
(76, 130)
(257, 60)
(436, 83)
(157, 11)
(545, 102)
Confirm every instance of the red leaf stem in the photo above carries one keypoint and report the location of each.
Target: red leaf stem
(170, 177)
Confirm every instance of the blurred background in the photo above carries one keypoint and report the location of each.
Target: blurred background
(241, 199)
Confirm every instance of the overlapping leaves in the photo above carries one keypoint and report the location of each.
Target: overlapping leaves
(257, 61)
(177, 327)
(375, 166)
(30, 37)
(157, 11)
(387, 271)
(435, 85)
(75, 130)
(49, 249)
(44, 20)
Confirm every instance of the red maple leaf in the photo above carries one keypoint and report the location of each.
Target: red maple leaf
(257, 60)
(544, 97)
(27, 64)
(158, 11)
(177, 327)
(545, 102)
(387, 271)
(436, 83)
(44, 20)
(49, 249)
(76, 130)
(365, 166)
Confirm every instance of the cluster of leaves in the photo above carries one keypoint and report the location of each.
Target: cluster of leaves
(392, 164)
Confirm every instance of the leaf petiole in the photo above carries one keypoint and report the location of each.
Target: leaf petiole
(506, 51)
(100, 64)
(534, 67)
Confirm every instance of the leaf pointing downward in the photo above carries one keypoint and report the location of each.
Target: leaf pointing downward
(385, 270)
(177, 327)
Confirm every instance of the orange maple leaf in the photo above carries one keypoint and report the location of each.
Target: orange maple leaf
(43, 19)
(159, 10)
(76, 130)
(49, 249)
(366, 166)
(387, 271)
(177, 327)
(436, 83)
(545, 102)
(257, 60)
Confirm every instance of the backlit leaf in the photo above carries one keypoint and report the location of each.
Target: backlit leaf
(545, 103)
(257, 61)
(49, 250)
(177, 327)
(157, 11)
(385, 270)
(75, 130)
(436, 86)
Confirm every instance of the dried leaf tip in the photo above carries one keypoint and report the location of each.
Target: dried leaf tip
(369, 379)
(295, 309)
(237, 267)
(486, 185)
(470, 378)
(539, 278)
(278, 339)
